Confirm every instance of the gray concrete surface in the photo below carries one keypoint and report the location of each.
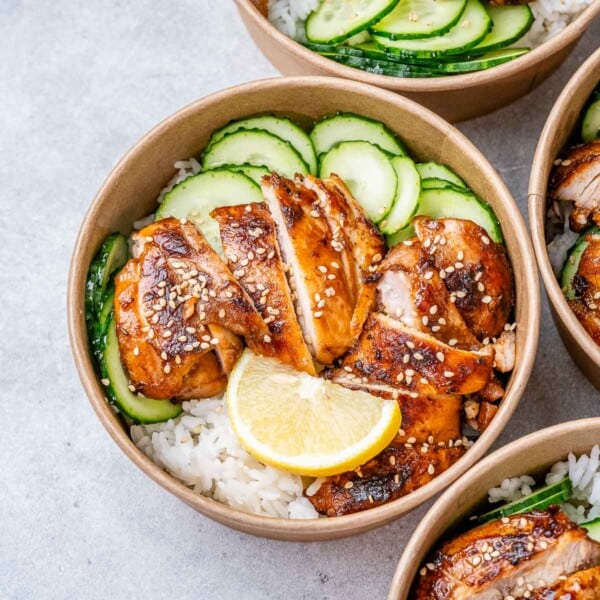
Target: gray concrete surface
(80, 82)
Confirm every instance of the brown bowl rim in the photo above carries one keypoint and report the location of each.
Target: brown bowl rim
(568, 35)
(407, 566)
(538, 187)
(326, 528)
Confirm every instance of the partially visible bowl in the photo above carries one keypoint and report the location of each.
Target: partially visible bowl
(533, 455)
(455, 98)
(557, 131)
(130, 193)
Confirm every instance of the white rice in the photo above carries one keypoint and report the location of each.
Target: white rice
(551, 17)
(185, 169)
(584, 473)
(289, 16)
(201, 449)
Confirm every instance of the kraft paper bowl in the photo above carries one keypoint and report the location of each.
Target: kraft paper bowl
(130, 192)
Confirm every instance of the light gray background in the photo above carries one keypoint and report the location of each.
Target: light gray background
(80, 82)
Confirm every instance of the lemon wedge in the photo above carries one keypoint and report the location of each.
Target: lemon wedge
(304, 424)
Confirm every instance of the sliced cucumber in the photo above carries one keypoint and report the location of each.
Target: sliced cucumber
(336, 20)
(282, 128)
(440, 184)
(367, 171)
(138, 408)
(432, 170)
(97, 332)
(511, 23)
(480, 63)
(255, 173)
(453, 204)
(590, 127)
(473, 26)
(400, 236)
(379, 67)
(347, 127)
(255, 147)
(557, 493)
(420, 19)
(197, 196)
(571, 264)
(593, 529)
(112, 256)
(407, 195)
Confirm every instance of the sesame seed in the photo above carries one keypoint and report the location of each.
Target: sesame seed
(433, 310)
(452, 342)
(460, 255)
(448, 374)
(485, 240)
(318, 314)
(418, 356)
(348, 485)
(131, 388)
(214, 341)
(425, 320)
(136, 351)
(322, 268)
(167, 369)
(105, 382)
(431, 469)
(435, 328)
(440, 356)
(204, 345)
(428, 275)
(188, 348)
(377, 258)
(486, 299)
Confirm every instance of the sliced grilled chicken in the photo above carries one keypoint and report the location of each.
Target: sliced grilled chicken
(507, 557)
(428, 444)
(363, 245)
(587, 287)
(323, 295)
(166, 299)
(412, 291)
(229, 348)
(475, 270)
(251, 249)
(393, 354)
(576, 178)
(583, 585)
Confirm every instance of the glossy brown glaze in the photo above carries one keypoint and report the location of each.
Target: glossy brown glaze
(583, 585)
(506, 557)
(390, 353)
(476, 272)
(362, 246)
(322, 293)
(166, 298)
(412, 291)
(251, 249)
(427, 445)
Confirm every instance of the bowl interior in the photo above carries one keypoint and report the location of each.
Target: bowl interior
(530, 455)
(130, 193)
(565, 116)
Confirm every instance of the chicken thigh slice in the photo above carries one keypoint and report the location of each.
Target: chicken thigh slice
(166, 300)
(475, 270)
(250, 242)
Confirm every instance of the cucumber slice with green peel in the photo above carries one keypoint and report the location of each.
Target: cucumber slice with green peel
(480, 63)
(540, 499)
(347, 127)
(195, 198)
(251, 171)
(138, 408)
(97, 332)
(593, 528)
(590, 126)
(255, 147)
(420, 19)
(407, 195)
(379, 67)
(336, 20)
(453, 204)
(511, 23)
(368, 173)
(282, 128)
(433, 69)
(113, 254)
(432, 170)
(400, 236)
(571, 264)
(440, 184)
(472, 27)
